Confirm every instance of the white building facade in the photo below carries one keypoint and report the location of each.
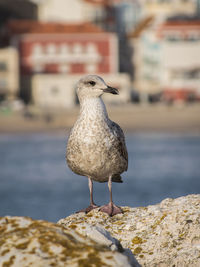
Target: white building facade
(64, 11)
(167, 60)
(58, 91)
(9, 74)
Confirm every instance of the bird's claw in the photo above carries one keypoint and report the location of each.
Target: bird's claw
(111, 209)
(89, 208)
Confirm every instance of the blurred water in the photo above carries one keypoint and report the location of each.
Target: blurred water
(35, 181)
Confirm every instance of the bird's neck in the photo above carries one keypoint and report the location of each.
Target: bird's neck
(93, 108)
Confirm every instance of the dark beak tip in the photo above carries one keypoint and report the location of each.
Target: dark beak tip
(111, 90)
(117, 92)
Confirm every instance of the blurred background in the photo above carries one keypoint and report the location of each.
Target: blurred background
(148, 49)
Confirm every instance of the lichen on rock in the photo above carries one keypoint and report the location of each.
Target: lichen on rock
(26, 242)
(166, 234)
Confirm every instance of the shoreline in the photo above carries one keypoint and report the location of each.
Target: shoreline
(131, 118)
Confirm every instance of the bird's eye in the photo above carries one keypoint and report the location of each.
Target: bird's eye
(92, 83)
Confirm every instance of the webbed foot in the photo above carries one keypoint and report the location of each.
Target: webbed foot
(111, 209)
(89, 208)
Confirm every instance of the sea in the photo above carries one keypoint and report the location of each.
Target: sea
(36, 182)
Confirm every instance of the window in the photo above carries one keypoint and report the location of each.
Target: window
(193, 74)
(3, 84)
(38, 68)
(163, 1)
(77, 48)
(37, 49)
(173, 37)
(91, 48)
(51, 49)
(193, 36)
(54, 90)
(3, 66)
(91, 68)
(64, 49)
(64, 68)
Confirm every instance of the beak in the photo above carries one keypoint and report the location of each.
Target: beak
(111, 90)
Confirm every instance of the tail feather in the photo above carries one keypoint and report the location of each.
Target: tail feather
(117, 178)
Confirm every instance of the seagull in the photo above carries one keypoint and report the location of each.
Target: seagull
(96, 145)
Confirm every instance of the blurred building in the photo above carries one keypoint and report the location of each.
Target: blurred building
(64, 48)
(58, 91)
(9, 74)
(180, 59)
(166, 8)
(167, 57)
(64, 11)
(54, 55)
(19, 9)
(112, 15)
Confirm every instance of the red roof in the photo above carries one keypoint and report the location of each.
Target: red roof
(182, 23)
(29, 26)
(103, 2)
(97, 2)
(140, 27)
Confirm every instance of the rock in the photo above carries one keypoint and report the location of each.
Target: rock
(26, 242)
(166, 234)
(103, 237)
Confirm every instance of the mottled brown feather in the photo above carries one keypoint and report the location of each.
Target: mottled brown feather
(96, 146)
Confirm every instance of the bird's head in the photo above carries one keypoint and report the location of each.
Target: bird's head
(93, 86)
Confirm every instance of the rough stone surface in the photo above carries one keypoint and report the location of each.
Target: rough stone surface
(166, 234)
(25, 242)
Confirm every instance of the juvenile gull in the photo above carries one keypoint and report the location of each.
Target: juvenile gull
(96, 146)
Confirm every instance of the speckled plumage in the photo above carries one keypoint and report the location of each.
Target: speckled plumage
(96, 146)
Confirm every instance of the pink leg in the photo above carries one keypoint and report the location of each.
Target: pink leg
(92, 204)
(111, 209)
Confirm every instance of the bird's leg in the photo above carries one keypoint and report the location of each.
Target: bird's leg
(92, 204)
(111, 209)
(90, 184)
